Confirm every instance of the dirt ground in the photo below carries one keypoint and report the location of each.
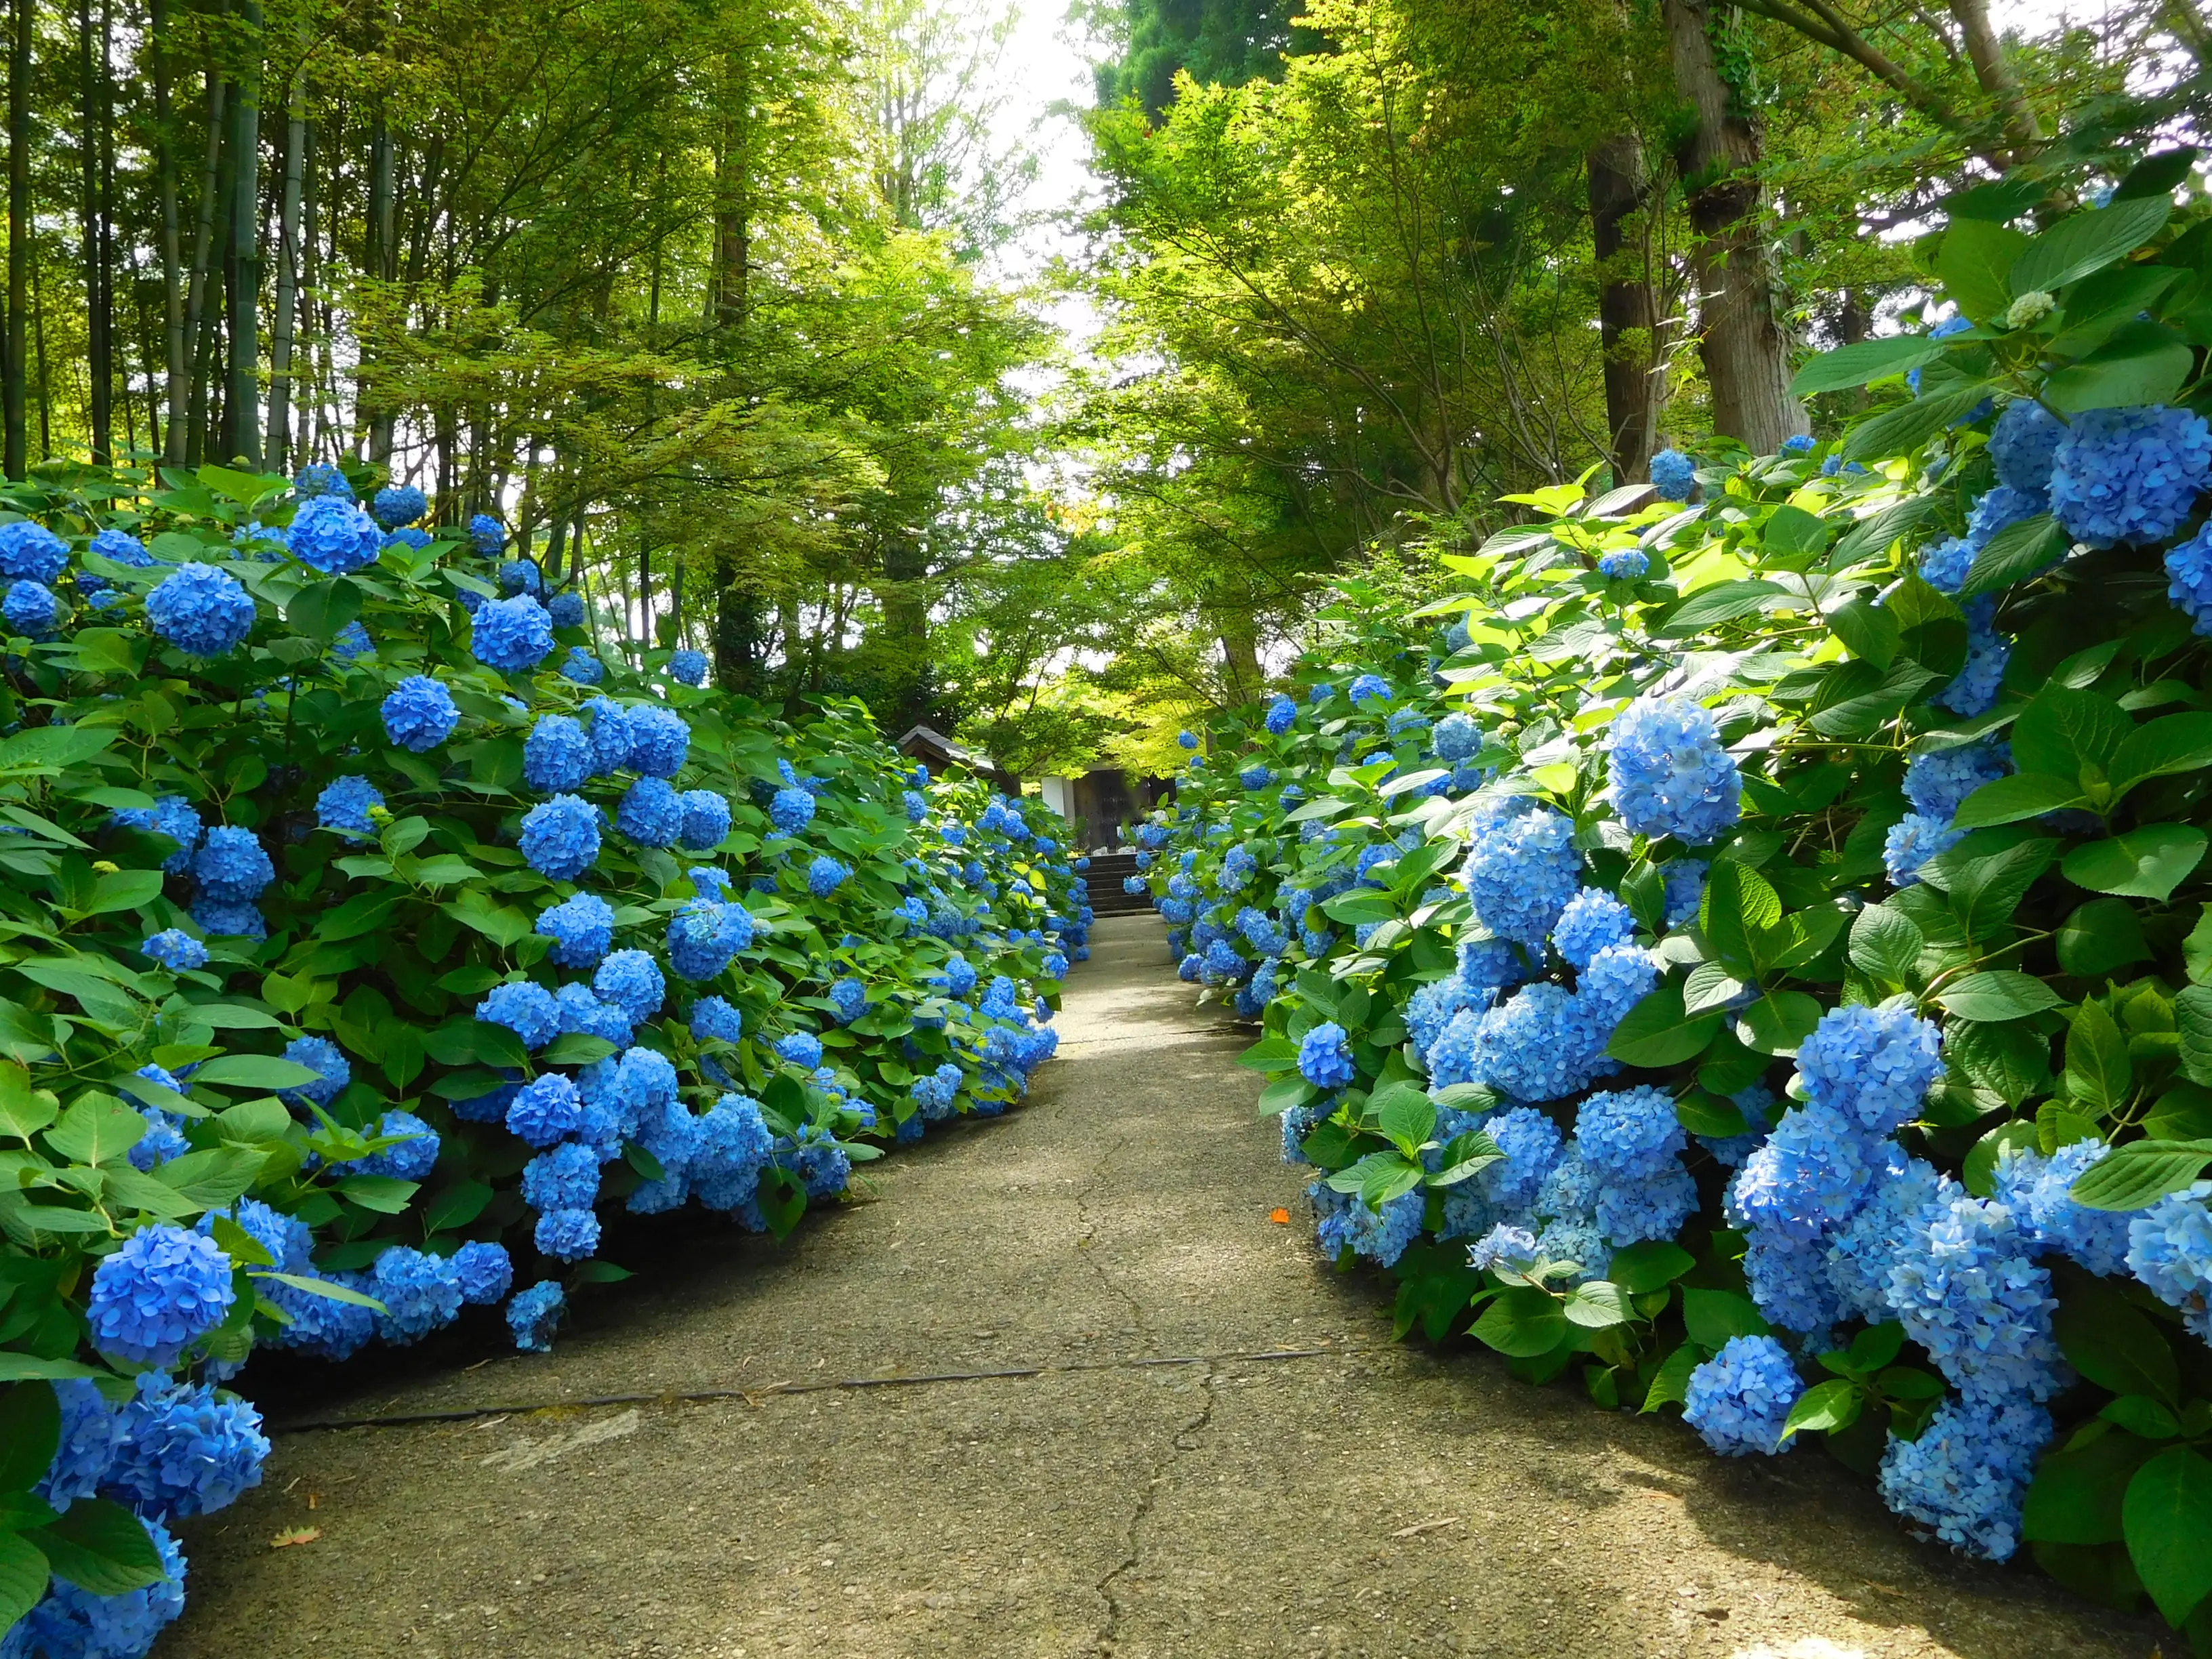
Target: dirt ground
(1145, 1483)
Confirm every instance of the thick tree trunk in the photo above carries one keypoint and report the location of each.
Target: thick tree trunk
(1627, 312)
(287, 275)
(242, 400)
(1746, 354)
(174, 356)
(382, 264)
(188, 403)
(100, 342)
(2023, 132)
(304, 448)
(1240, 660)
(14, 399)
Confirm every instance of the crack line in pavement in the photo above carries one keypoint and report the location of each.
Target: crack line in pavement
(1185, 1440)
(462, 1414)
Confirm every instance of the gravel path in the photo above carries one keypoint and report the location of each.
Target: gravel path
(1199, 1441)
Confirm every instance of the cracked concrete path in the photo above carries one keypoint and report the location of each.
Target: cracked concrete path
(1146, 1482)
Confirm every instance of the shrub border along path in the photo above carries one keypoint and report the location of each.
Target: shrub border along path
(1102, 1497)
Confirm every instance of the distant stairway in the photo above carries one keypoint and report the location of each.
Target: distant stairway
(1107, 872)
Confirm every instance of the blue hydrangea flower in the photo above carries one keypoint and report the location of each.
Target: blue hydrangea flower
(1935, 783)
(708, 882)
(1669, 774)
(825, 875)
(563, 1177)
(1797, 443)
(1999, 509)
(32, 553)
(566, 610)
(318, 1054)
(420, 715)
(1282, 714)
(528, 1011)
(183, 1449)
(2189, 578)
(201, 611)
(1673, 475)
(421, 1293)
(1186, 739)
(1911, 841)
(228, 918)
(1988, 652)
(1945, 565)
(1532, 1145)
(632, 980)
(849, 997)
(1455, 738)
(1628, 1132)
(352, 643)
(1504, 1248)
(582, 929)
(1871, 1066)
(1369, 688)
(398, 504)
(705, 820)
(320, 479)
(512, 636)
(689, 666)
(561, 837)
(1685, 889)
(1593, 919)
(484, 1272)
(793, 810)
(117, 545)
(345, 803)
(713, 1018)
(520, 576)
(2024, 443)
(411, 1159)
(556, 757)
(2039, 1191)
(230, 865)
(1626, 565)
(535, 1313)
(582, 1013)
(31, 609)
(90, 1431)
(1344, 1221)
(486, 534)
(330, 534)
(651, 813)
(1522, 869)
(704, 937)
(1967, 1475)
(1255, 777)
(545, 1110)
(1809, 1176)
(157, 1293)
(2170, 1250)
(1741, 1398)
(659, 740)
(801, 1048)
(1325, 1057)
(74, 1621)
(2129, 475)
(176, 949)
(1789, 1282)
(581, 667)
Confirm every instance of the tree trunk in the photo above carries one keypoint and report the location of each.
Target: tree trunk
(15, 398)
(242, 401)
(188, 403)
(737, 639)
(304, 448)
(173, 357)
(1240, 661)
(2023, 132)
(99, 322)
(1746, 354)
(1627, 312)
(381, 264)
(287, 273)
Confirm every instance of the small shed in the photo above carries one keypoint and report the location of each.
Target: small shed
(1098, 802)
(940, 754)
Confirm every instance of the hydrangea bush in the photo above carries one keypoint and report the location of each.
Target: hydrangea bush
(1754, 956)
(366, 963)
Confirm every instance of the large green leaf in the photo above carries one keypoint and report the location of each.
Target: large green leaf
(2064, 729)
(2011, 800)
(1899, 431)
(2167, 1516)
(100, 1547)
(2142, 363)
(1711, 1317)
(2014, 553)
(2112, 1342)
(1972, 262)
(22, 1577)
(2146, 863)
(30, 1431)
(1863, 361)
(98, 1129)
(2084, 240)
(1998, 994)
(2173, 743)
(1522, 1322)
(1657, 1032)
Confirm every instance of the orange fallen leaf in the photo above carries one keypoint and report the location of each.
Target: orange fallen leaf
(293, 1535)
(1280, 1218)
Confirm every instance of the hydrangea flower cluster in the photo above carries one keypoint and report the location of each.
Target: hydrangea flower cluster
(1669, 774)
(1741, 1399)
(2129, 475)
